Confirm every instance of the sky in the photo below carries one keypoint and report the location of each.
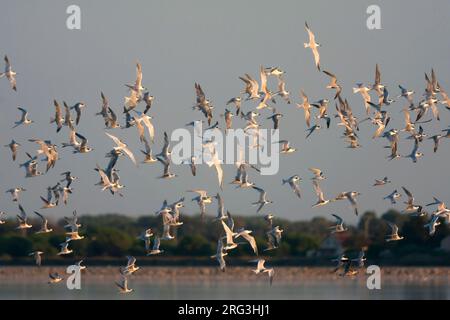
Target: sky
(179, 43)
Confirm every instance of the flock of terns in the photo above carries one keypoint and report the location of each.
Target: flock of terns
(316, 115)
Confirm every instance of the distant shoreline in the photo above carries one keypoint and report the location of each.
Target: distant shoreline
(15, 273)
(240, 261)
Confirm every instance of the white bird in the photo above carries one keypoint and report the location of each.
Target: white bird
(166, 233)
(1, 220)
(393, 196)
(155, 250)
(360, 259)
(9, 74)
(306, 106)
(351, 197)
(175, 213)
(144, 120)
(217, 163)
(137, 88)
(220, 254)
(166, 163)
(79, 265)
(78, 107)
(72, 223)
(407, 94)
(364, 91)
(273, 238)
(321, 199)
(260, 268)
(48, 203)
(146, 235)
(394, 233)
(246, 234)
(230, 244)
(73, 236)
(262, 199)
(318, 174)
(285, 147)
(339, 227)
(130, 268)
(294, 184)
(23, 118)
(106, 181)
(191, 163)
(282, 92)
(242, 177)
(13, 146)
(31, 167)
(148, 152)
(37, 257)
(81, 147)
(313, 45)
(269, 218)
(121, 146)
(202, 200)
(431, 226)
(123, 285)
(64, 250)
(44, 227)
(221, 215)
(15, 193)
(237, 103)
(442, 209)
(148, 99)
(341, 262)
(22, 217)
(410, 206)
(55, 278)
(251, 87)
(381, 182)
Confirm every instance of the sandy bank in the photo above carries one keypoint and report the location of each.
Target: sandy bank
(231, 274)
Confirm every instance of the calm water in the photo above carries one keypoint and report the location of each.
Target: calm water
(321, 289)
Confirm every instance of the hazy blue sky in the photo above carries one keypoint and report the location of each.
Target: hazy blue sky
(212, 43)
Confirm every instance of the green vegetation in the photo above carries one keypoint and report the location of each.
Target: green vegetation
(115, 236)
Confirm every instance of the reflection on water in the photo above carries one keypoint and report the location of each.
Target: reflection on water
(146, 289)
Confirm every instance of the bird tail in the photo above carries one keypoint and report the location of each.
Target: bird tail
(306, 45)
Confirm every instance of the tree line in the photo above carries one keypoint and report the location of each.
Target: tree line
(116, 235)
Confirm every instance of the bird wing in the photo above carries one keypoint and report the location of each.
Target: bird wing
(318, 190)
(129, 154)
(296, 188)
(338, 219)
(201, 192)
(317, 172)
(138, 83)
(139, 127)
(409, 194)
(40, 216)
(228, 232)
(150, 127)
(116, 140)
(251, 240)
(393, 227)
